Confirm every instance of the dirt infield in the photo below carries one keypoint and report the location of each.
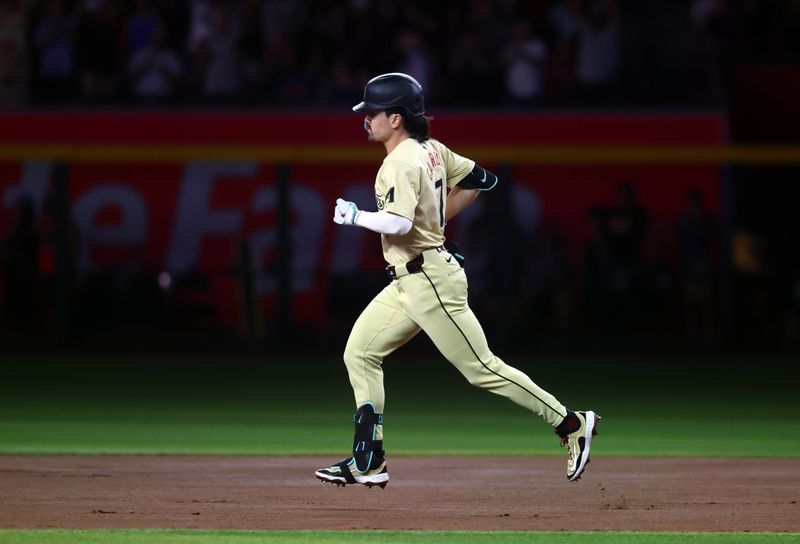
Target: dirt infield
(450, 493)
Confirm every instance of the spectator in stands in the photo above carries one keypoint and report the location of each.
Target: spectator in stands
(293, 79)
(473, 71)
(13, 53)
(251, 50)
(154, 70)
(97, 49)
(563, 18)
(623, 226)
(237, 47)
(415, 59)
(215, 48)
(282, 20)
(341, 86)
(174, 16)
(751, 262)
(141, 24)
(54, 40)
(614, 259)
(524, 58)
(695, 232)
(597, 49)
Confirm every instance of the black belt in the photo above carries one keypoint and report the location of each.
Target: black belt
(411, 267)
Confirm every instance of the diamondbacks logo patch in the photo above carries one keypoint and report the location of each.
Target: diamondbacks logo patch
(381, 202)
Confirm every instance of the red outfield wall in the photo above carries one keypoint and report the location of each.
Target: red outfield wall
(180, 191)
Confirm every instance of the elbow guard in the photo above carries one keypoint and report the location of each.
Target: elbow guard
(479, 179)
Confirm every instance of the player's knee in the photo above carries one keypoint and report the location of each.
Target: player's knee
(349, 359)
(479, 378)
(475, 379)
(484, 373)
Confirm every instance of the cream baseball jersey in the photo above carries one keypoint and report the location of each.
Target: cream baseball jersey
(413, 183)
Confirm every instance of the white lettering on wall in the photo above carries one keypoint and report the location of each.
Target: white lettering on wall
(195, 219)
(131, 230)
(33, 183)
(307, 228)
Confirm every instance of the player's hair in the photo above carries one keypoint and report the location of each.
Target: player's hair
(418, 126)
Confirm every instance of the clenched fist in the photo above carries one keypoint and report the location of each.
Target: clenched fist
(345, 212)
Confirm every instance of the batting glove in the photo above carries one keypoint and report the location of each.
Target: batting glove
(345, 212)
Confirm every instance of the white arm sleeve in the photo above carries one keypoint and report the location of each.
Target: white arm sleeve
(383, 222)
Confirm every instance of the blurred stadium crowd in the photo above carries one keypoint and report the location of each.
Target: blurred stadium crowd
(318, 53)
(491, 55)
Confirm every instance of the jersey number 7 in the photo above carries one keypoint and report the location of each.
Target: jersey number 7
(439, 185)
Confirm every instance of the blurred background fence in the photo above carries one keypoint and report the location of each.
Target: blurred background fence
(167, 169)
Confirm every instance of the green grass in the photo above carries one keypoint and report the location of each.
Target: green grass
(384, 537)
(281, 406)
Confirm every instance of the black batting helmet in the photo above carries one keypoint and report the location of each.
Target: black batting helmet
(394, 90)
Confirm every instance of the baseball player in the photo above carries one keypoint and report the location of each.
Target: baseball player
(419, 187)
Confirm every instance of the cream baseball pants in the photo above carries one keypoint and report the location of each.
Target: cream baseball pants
(434, 300)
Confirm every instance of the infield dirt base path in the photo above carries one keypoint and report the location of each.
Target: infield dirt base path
(424, 493)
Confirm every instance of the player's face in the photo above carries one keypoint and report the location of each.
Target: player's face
(377, 125)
